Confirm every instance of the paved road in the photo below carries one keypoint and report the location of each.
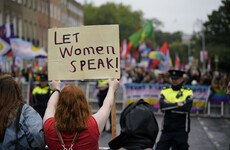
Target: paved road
(206, 133)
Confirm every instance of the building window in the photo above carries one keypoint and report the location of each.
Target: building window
(24, 2)
(34, 4)
(59, 14)
(15, 25)
(51, 10)
(29, 3)
(55, 12)
(19, 1)
(35, 32)
(39, 5)
(40, 36)
(47, 9)
(20, 28)
(44, 36)
(7, 18)
(25, 31)
(30, 31)
(1, 22)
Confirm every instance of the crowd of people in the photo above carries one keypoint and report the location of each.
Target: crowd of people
(66, 116)
(192, 77)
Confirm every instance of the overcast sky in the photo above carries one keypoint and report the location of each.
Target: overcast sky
(174, 14)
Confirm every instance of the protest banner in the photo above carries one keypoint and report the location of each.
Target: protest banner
(151, 94)
(86, 52)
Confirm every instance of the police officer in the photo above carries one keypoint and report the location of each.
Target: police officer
(176, 102)
(41, 95)
(103, 87)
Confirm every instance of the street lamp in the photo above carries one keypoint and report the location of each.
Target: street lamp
(203, 52)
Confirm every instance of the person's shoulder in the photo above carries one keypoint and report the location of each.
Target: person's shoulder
(92, 120)
(29, 111)
(27, 107)
(37, 87)
(187, 89)
(166, 88)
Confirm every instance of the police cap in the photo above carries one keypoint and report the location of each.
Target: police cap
(43, 77)
(175, 74)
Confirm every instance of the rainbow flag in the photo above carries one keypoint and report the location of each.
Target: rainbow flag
(219, 96)
(4, 47)
(177, 62)
(167, 64)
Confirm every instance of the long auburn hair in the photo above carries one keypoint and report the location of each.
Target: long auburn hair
(10, 99)
(72, 110)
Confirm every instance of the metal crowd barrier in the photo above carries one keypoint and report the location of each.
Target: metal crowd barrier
(212, 109)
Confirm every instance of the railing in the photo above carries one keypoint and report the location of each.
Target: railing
(212, 109)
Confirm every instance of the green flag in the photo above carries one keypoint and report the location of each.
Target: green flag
(138, 37)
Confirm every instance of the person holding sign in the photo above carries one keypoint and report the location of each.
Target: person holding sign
(68, 122)
(176, 102)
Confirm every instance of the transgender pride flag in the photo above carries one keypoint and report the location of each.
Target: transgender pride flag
(25, 49)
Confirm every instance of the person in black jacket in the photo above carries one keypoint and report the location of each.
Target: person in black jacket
(41, 95)
(176, 102)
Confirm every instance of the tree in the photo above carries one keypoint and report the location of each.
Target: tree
(111, 13)
(217, 35)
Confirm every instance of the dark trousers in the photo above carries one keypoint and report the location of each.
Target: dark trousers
(176, 140)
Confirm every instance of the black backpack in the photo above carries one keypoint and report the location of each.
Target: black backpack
(139, 127)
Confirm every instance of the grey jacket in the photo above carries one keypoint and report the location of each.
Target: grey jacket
(30, 133)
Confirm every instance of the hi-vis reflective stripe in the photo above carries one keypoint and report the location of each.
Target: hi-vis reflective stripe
(167, 108)
(170, 94)
(39, 90)
(103, 81)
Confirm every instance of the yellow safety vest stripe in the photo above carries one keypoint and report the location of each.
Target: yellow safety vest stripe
(103, 81)
(39, 90)
(170, 95)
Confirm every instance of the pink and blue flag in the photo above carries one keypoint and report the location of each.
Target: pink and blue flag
(25, 49)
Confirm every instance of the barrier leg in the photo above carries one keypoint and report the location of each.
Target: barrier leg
(222, 109)
(208, 108)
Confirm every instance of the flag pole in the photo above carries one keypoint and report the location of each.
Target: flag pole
(113, 118)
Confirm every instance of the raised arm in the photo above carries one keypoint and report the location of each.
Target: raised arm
(52, 103)
(103, 113)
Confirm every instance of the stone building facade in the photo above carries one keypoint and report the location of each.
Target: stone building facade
(33, 18)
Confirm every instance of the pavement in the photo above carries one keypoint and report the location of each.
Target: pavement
(207, 133)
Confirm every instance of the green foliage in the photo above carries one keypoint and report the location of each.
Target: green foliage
(217, 37)
(161, 37)
(180, 49)
(217, 28)
(111, 13)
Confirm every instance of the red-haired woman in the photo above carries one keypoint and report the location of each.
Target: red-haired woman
(68, 122)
